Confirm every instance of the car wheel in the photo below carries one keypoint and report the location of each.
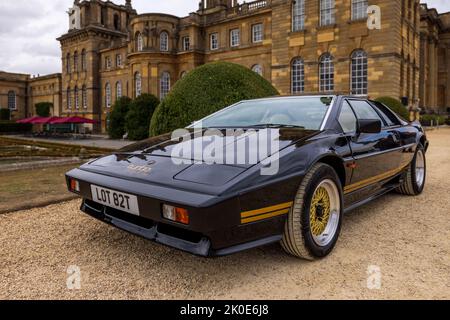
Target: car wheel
(415, 177)
(314, 222)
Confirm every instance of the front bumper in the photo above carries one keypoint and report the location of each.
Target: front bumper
(189, 241)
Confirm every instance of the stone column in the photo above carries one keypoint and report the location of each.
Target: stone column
(432, 74)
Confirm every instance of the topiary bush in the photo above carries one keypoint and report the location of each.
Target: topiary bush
(137, 121)
(116, 128)
(5, 114)
(395, 105)
(43, 109)
(205, 90)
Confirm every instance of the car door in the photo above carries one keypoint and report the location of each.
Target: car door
(376, 155)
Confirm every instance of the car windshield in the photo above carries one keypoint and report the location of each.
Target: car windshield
(301, 112)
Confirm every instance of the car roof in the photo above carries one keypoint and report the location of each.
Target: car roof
(299, 97)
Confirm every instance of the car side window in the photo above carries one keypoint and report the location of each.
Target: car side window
(365, 111)
(388, 116)
(347, 118)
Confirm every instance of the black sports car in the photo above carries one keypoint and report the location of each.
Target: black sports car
(333, 154)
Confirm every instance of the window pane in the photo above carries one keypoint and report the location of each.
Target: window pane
(298, 15)
(347, 118)
(359, 66)
(298, 76)
(165, 85)
(257, 32)
(326, 73)
(364, 110)
(359, 9)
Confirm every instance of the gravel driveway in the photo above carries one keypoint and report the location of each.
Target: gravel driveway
(406, 239)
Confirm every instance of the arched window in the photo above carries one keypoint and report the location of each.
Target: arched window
(298, 15)
(165, 84)
(108, 95)
(359, 73)
(83, 60)
(68, 69)
(118, 90)
(84, 97)
(164, 41)
(183, 74)
(12, 100)
(327, 12)
(297, 76)
(359, 9)
(139, 42)
(258, 69)
(326, 73)
(75, 61)
(75, 95)
(69, 99)
(137, 84)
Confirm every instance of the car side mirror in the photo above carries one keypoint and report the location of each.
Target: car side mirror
(369, 126)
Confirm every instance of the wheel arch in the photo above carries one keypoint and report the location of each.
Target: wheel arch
(337, 164)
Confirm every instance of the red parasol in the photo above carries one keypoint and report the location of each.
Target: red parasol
(29, 120)
(73, 120)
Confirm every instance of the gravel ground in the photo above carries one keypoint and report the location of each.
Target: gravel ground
(408, 239)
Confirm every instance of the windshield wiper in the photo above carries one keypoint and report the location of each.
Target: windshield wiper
(275, 126)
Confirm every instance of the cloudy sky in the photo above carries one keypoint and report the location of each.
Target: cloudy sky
(28, 29)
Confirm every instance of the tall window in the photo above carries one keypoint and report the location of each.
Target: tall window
(297, 76)
(164, 41)
(118, 60)
(118, 90)
(137, 84)
(69, 99)
(107, 63)
(257, 33)
(12, 100)
(258, 69)
(326, 73)
(165, 84)
(139, 42)
(235, 38)
(84, 97)
(359, 9)
(75, 95)
(68, 69)
(75, 61)
(83, 60)
(298, 15)
(359, 82)
(186, 44)
(108, 95)
(214, 41)
(327, 16)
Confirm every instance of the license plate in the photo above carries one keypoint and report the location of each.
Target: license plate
(114, 199)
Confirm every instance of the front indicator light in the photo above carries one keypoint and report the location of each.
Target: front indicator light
(175, 214)
(74, 185)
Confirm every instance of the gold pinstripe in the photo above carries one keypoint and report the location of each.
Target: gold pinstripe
(265, 213)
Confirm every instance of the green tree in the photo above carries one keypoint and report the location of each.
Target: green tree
(116, 128)
(139, 116)
(205, 90)
(43, 109)
(395, 105)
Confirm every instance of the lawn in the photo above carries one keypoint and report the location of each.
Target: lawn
(29, 188)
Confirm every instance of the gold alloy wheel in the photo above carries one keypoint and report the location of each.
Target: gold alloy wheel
(324, 212)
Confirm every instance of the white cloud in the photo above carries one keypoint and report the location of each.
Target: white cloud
(29, 28)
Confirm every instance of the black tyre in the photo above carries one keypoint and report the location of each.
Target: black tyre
(314, 222)
(415, 177)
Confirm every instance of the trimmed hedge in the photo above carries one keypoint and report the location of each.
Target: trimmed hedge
(116, 128)
(5, 114)
(13, 127)
(395, 105)
(137, 121)
(426, 119)
(205, 90)
(43, 109)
